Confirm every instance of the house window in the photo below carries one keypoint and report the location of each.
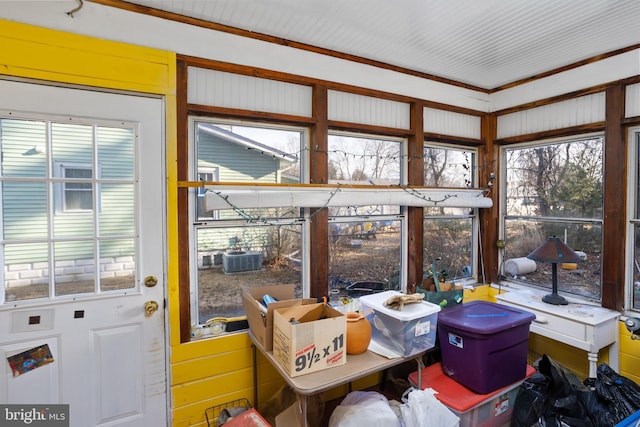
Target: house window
(449, 233)
(554, 188)
(634, 287)
(236, 248)
(365, 241)
(205, 175)
(76, 188)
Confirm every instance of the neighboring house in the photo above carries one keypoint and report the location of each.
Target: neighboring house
(225, 156)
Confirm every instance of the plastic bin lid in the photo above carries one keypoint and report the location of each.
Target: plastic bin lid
(452, 393)
(484, 317)
(409, 311)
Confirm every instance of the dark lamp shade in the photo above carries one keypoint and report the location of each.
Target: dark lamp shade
(553, 250)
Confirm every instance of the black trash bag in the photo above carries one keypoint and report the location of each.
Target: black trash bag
(563, 407)
(618, 395)
(598, 410)
(530, 400)
(549, 400)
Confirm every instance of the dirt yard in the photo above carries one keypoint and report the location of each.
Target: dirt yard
(375, 259)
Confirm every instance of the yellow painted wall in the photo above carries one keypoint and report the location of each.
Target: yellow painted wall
(202, 373)
(212, 371)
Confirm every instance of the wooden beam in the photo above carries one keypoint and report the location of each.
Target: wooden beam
(615, 201)
(415, 176)
(319, 174)
(488, 172)
(184, 276)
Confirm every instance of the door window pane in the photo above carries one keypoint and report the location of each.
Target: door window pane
(54, 201)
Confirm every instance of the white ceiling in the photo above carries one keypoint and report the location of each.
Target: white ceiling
(484, 43)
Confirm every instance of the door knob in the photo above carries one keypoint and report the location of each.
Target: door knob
(150, 281)
(150, 307)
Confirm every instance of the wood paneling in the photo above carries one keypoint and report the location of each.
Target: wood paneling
(632, 100)
(629, 355)
(444, 122)
(353, 108)
(559, 115)
(236, 91)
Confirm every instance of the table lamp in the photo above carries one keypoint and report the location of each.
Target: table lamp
(553, 250)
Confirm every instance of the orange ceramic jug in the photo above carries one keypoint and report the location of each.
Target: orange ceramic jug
(358, 333)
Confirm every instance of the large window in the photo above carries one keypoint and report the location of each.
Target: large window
(554, 188)
(634, 288)
(237, 248)
(365, 241)
(449, 232)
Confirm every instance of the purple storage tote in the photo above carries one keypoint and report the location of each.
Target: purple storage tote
(484, 345)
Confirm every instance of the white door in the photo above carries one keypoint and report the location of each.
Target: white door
(82, 252)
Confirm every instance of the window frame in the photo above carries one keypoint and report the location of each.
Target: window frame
(569, 220)
(474, 216)
(217, 222)
(61, 196)
(400, 216)
(633, 215)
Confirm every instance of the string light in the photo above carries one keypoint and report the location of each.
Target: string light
(373, 209)
(466, 164)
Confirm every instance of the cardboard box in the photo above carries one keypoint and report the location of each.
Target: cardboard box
(309, 338)
(261, 323)
(290, 417)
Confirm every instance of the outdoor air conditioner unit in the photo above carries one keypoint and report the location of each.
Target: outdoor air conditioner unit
(233, 262)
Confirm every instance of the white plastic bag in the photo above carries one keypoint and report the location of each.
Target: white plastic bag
(422, 409)
(364, 408)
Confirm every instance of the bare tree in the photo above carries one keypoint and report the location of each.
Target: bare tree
(360, 159)
(556, 180)
(435, 164)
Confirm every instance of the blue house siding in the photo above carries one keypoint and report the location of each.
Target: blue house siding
(236, 162)
(32, 196)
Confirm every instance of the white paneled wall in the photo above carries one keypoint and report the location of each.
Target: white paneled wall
(228, 90)
(574, 112)
(632, 101)
(451, 123)
(367, 110)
